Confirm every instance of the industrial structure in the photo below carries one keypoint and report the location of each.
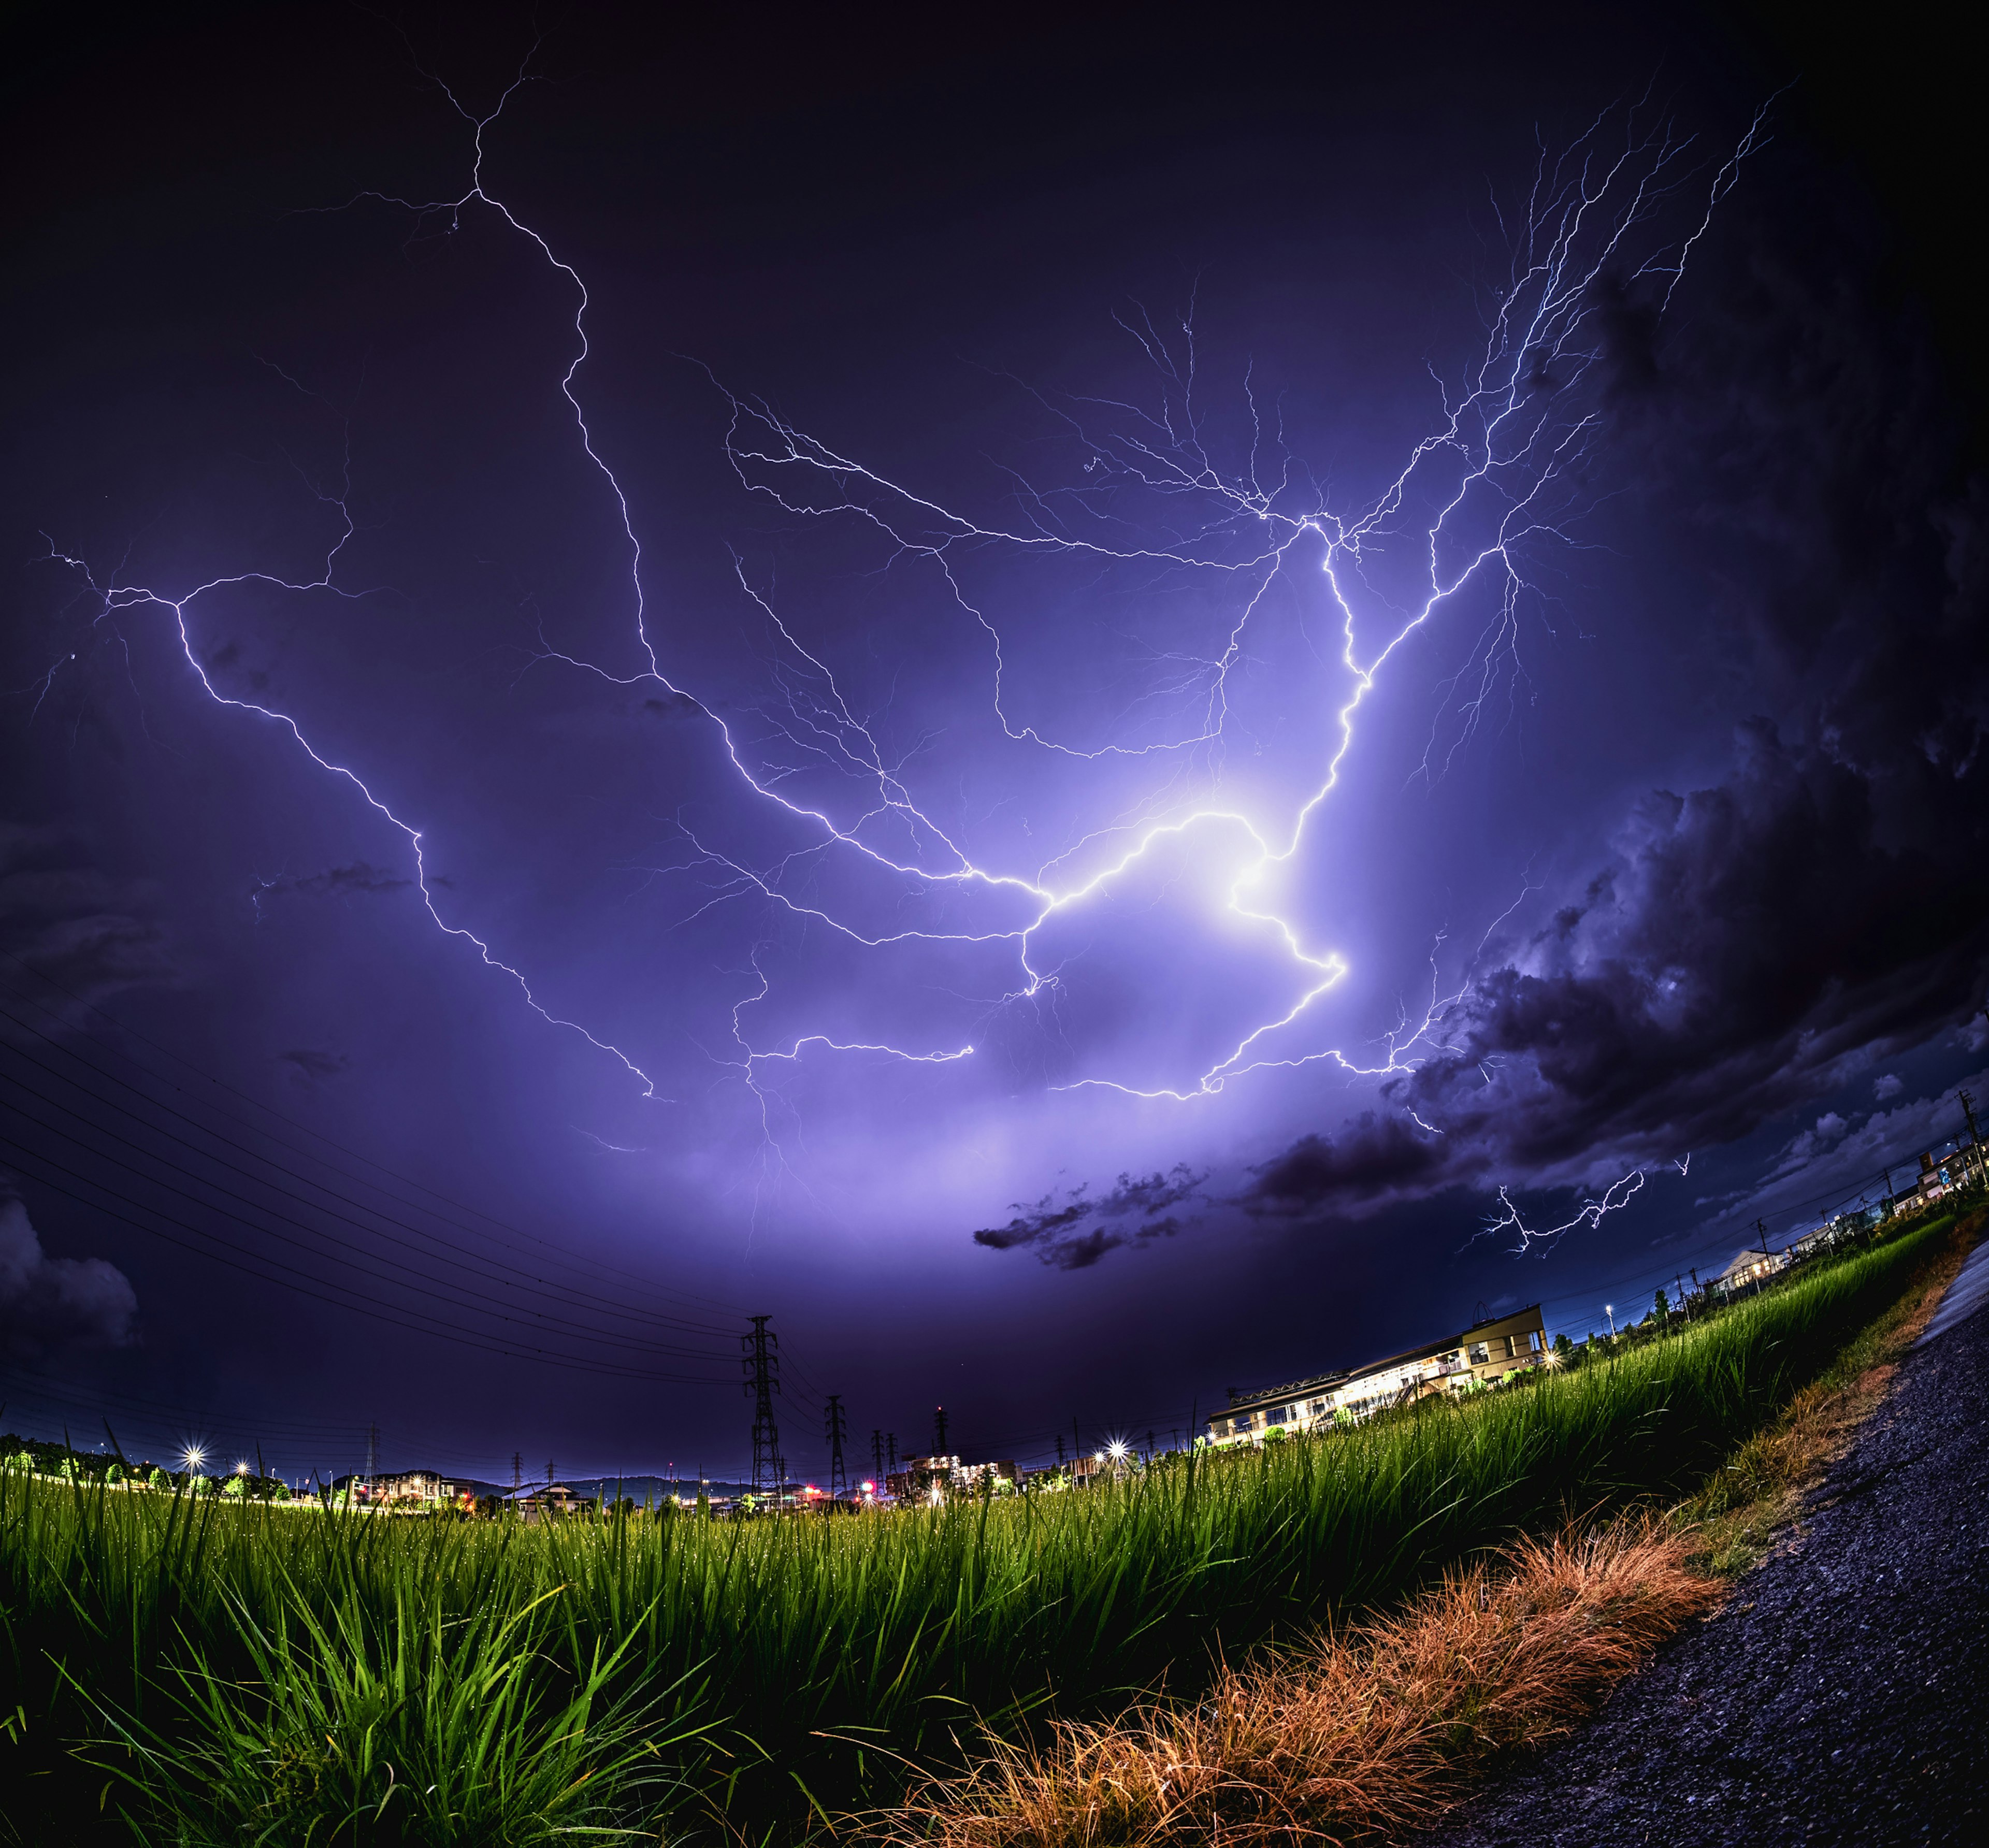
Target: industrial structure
(1482, 1355)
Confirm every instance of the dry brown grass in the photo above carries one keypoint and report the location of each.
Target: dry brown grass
(1367, 1735)
(1364, 1735)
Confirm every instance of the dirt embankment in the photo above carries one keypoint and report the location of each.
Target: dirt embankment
(1842, 1694)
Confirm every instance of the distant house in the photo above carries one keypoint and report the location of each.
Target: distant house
(930, 1478)
(1484, 1354)
(543, 1499)
(406, 1487)
(1749, 1269)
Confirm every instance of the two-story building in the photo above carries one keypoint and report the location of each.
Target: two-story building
(1485, 1353)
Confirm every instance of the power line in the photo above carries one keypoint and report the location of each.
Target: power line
(537, 1281)
(344, 1244)
(443, 1331)
(560, 1253)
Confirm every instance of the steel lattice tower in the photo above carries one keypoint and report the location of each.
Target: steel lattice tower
(837, 1429)
(763, 1381)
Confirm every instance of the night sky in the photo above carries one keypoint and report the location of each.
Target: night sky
(1187, 680)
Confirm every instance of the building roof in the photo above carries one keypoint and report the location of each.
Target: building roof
(1250, 1400)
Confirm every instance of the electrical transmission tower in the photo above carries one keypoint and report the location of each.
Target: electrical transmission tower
(763, 1381)
(891, 1448)
(837, 1428)
(372, 1453)
(877, 1458)
(939, 1431)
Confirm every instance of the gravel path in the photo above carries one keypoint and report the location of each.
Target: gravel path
(1843, 1695)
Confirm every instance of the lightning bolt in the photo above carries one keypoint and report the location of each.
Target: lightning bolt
(1492, 479)
(1591, 1214)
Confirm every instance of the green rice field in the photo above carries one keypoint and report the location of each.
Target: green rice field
(176, 1669)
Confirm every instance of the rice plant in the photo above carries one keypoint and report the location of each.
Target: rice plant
(194, 1670)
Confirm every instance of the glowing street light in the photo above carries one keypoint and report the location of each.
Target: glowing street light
(241, 1469)
(1609, 1309)
(193, 1456)
(1116, 1450)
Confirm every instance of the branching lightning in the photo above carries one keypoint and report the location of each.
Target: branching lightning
(1490, 482)
(1592, 1214)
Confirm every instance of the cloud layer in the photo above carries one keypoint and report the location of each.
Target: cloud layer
(47, 1304)
(1072, 1230)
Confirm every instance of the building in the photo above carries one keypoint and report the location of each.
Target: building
(1482, 1355)
(543, 1499)
(1942, 1176)
(1749, 1269)
(933, 1478)
(406, 1488)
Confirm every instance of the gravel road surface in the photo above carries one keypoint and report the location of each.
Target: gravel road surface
(1842, 1696)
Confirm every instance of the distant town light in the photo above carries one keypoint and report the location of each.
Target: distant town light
(241, 1469)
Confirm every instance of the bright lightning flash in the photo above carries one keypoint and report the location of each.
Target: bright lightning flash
(1485, 486)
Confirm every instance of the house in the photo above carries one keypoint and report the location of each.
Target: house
(931, 1478)
(404, 1488)
(1749, 1269)
(1484, 1354)
(544, 1499)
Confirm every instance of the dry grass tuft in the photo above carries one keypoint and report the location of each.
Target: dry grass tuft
(1366, 1734)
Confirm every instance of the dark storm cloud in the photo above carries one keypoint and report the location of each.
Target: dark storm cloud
(314, 1066)
(1825, 904)
(51, 1303)
(340, 882)
(67, 920)
(1758, 935)
(1368, 1159)
(1075, 1235)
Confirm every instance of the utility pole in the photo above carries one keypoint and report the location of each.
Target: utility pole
(939, 1431)
(1150, 1447)
(549, 1472)
(838, 1477)
(1060, 1457)
(1076, 1440)
(1609, 1309)
(1968, 1111)
(763, 1381)
(1761, 1226)
(517, 1470)
(372, 1453)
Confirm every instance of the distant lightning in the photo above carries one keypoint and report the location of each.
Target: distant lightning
(1592, 1213)
(1498, 460)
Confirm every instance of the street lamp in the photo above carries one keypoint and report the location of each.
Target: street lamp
(1609, 1309)
(193, 1456)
